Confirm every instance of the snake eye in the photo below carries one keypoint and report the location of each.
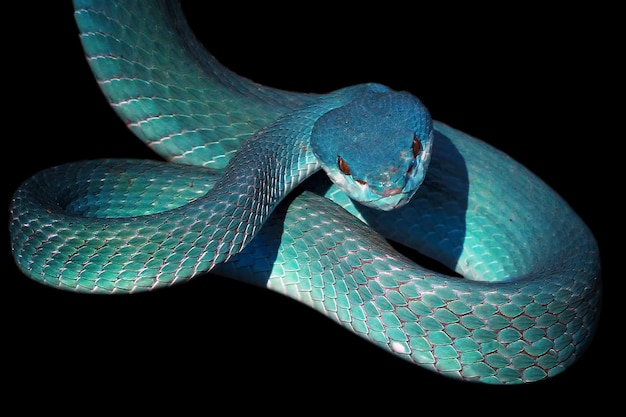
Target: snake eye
(343, 166)
(417, 146)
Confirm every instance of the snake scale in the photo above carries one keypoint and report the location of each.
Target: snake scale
(245, 196)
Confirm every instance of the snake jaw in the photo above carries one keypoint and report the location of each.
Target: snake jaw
(385, 193)
(391, 195)
(388, 192)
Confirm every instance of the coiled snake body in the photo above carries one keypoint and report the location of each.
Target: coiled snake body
(529, 304)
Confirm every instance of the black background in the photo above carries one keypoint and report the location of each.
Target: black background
(530, 82)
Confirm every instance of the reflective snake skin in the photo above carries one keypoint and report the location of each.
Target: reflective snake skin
(526, 311)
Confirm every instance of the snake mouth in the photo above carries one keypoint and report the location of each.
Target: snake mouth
(390, 196)
(386, 196)
(390, 199)
(388, 192)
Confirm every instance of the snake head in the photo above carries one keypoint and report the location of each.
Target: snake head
(376, 148)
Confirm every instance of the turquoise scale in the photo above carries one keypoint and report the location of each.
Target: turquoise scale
(521, 305)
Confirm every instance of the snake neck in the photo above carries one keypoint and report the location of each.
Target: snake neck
(266, 169)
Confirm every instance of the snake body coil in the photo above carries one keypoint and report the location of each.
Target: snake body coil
(529, 304)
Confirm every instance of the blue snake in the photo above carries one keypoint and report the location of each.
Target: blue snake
(302, 193)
